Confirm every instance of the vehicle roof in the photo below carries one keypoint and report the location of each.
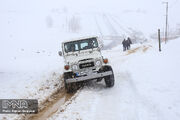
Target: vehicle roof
(81, 38)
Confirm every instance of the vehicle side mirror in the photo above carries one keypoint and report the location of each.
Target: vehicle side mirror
(99, 49)
(60, 53)
(101, 46)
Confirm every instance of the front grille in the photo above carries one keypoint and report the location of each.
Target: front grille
(86, 59)
(86, 65)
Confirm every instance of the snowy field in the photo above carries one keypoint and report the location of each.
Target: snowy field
(146, 81)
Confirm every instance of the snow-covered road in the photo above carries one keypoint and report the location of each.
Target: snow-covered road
(138, 94)
(146, 88)
(120, 102)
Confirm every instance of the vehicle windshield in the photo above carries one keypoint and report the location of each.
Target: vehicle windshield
(81, 45)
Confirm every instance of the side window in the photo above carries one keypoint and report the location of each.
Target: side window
(76, 47)
(69, 47)
(84, 45)
(66, 48)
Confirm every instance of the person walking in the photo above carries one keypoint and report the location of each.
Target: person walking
(129, 42)
(124, 44)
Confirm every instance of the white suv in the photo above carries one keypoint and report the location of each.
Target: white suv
(84, 62)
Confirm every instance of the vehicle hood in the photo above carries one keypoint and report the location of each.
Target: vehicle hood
(76, 57)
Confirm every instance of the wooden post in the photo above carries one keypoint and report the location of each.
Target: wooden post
(159, 38)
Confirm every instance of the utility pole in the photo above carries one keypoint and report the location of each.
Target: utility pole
(159, 39)
(166, 34)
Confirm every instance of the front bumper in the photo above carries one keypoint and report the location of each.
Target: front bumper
(89, 77)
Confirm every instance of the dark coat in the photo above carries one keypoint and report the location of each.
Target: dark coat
(129, 41)
(124, 43)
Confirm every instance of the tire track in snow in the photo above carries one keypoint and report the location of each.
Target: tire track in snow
(134, 102)
(130, 104)
(58, 101)
(142, 103)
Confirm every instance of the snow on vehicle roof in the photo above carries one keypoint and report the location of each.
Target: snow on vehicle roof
(81, 38)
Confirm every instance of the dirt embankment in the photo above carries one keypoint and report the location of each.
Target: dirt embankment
(144, 48)
(133, 50)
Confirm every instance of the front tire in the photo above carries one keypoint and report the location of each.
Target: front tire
(70, 87)
(109, 80)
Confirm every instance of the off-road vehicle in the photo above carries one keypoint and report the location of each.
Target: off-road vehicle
(84, 62)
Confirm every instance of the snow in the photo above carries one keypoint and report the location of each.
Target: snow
(147, 81)
(146, 87)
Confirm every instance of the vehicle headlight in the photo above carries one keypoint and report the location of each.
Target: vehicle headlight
(74, 67)
(98, 63)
